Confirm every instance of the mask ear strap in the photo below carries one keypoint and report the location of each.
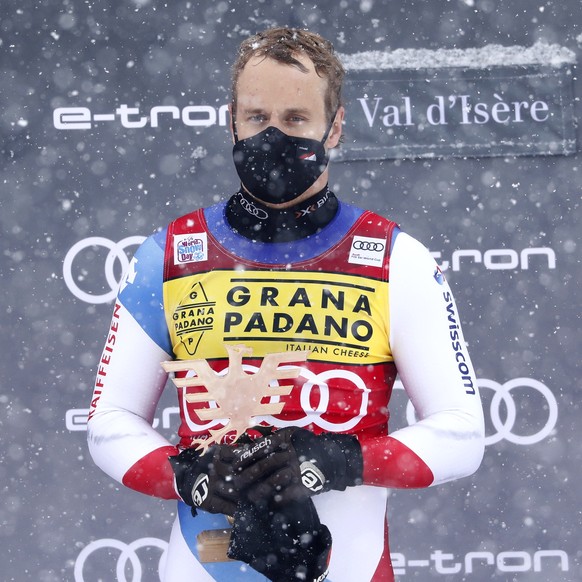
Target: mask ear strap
(233, 118)
(328, 130)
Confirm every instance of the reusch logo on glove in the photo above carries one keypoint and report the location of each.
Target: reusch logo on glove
(200, 489)
(250, 452)
(312, 477)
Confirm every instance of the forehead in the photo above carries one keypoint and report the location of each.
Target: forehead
(264, 81)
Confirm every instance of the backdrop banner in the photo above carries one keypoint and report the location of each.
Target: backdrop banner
(461, 125)
(459, 112)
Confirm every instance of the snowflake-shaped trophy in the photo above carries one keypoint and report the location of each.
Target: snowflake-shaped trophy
(238, 395)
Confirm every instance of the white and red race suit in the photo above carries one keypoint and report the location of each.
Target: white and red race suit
(368, 302)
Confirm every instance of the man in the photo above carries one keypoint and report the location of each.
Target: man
(283, 267)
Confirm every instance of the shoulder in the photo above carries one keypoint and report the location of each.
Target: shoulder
(408, 249)
(367, 215)
(413, 270)
(367, 220)
(152, 248)
(144, 274)
(193, 220)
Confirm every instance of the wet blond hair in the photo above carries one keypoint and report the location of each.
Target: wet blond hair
(283, 45)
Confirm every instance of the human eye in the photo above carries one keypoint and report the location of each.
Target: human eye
(256, 118)
(296, 119)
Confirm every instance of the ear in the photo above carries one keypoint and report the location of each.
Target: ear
(335, 132)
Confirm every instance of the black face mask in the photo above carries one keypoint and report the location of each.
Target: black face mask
(276, 167)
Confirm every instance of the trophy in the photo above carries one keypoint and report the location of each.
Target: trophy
(238, 396)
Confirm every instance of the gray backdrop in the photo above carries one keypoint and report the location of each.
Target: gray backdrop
(68, 195)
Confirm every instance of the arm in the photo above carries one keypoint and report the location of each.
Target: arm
(130, 381)
(430, 354)
(432, 361)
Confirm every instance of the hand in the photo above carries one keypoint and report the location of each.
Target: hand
(293, 463)
(206, 481)
(289, 543)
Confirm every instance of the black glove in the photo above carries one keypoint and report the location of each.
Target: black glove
(285, 545)
(206, 481)
(294, 463)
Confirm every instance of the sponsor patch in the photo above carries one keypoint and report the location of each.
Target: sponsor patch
(190, 248)
(200, 489)
(367, 251)
(334, 316)
(438, 276)
(312, 477)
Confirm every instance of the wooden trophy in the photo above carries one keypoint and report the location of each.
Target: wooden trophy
(238, 397)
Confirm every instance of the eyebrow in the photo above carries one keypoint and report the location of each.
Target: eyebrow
(301, 110)
(252, 110)
(290, 111)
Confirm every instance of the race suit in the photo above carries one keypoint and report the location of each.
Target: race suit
(366, 300)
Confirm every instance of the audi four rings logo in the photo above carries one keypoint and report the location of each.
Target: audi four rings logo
(116, 254)
(252, 209)
(504, 428)
(503, 411)
(315, 386)
(127, 556)
(366, 245)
